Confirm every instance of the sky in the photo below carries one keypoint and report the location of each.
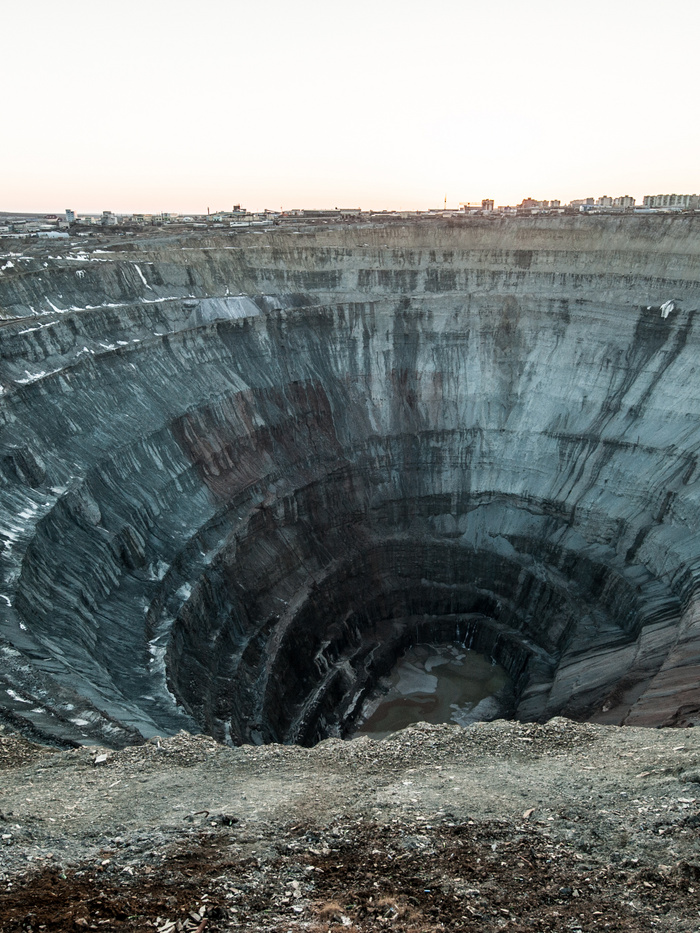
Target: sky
(185, 105)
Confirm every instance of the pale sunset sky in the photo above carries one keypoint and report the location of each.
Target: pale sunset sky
(177, 105)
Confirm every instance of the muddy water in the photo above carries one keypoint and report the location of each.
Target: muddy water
(435, 683)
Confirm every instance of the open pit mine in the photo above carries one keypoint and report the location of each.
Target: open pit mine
(241, 473)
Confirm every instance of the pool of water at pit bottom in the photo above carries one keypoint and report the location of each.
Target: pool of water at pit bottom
(436, 684)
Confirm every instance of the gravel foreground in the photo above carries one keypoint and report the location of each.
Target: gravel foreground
(501, 826)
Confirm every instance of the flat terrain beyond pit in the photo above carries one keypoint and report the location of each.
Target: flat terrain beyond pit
(501, 826)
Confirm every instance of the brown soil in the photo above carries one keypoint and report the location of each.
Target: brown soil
(504, 826)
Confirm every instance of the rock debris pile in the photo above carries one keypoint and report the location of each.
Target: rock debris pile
(501, 826)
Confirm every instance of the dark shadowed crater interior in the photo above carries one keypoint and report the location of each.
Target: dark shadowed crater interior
(240, 476)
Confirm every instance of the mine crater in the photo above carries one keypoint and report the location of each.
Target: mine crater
(241, 474)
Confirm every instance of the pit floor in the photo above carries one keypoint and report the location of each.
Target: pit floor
(435, 684)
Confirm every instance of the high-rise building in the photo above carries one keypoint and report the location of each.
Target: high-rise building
(672, 201)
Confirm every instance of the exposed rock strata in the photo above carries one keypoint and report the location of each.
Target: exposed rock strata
(239, 474)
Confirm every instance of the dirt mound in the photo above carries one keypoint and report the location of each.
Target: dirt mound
(15, 750)
(501, 826)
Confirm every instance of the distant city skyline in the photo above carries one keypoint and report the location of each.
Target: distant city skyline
(596, 199)
(390, 104)
(53, 225)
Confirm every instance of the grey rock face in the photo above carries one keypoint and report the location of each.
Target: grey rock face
(238, 475)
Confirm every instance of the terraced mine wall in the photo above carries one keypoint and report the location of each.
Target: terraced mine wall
(239, 474)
